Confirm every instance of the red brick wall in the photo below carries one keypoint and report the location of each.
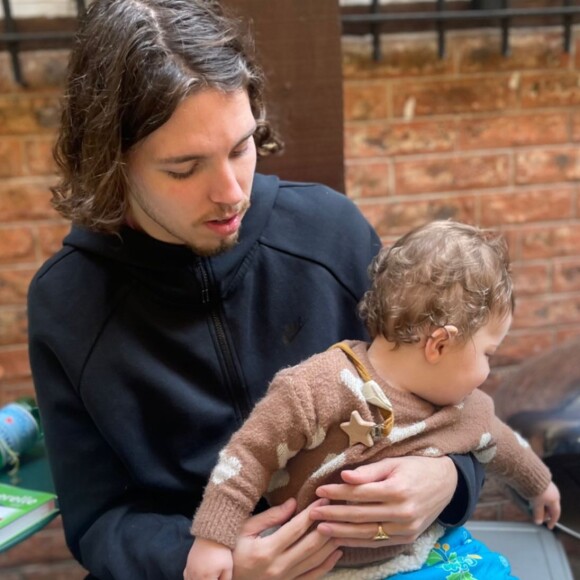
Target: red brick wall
(480, 138)
(30, 231)
(475, 137)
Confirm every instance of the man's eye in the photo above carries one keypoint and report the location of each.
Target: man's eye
(241, 149)
(181, 175)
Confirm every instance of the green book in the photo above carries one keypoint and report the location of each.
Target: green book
(23, 512)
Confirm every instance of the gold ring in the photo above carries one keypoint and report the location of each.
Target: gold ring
(381, 534)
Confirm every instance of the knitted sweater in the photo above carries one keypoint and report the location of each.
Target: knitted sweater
(292, 443)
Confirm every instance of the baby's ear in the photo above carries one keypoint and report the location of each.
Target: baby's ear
(439, 341)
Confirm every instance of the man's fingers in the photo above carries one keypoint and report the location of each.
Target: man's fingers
(367, 493)
(378, 471)
(308, 554)
(324, 568)
(270, 518)
(298, 526)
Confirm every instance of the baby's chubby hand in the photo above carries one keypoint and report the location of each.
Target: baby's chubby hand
(208, 560)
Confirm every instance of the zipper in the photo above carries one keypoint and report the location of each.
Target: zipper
(238, 395)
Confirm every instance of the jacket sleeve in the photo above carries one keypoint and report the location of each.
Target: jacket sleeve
(470, 477)
(113, 529)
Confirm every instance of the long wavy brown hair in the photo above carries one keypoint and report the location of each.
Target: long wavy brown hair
(133, 62)
(444, 272)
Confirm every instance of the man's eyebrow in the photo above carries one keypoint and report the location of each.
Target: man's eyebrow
(185, 158)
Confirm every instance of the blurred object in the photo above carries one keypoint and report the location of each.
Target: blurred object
(542, 382)
(533, 552)
(553, 431)
(20, 430)
(554, 434)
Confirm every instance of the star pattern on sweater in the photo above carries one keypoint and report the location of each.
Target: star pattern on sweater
(228, 466)
(358, 430)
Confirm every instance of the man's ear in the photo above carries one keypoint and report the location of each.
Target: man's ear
(439, 341)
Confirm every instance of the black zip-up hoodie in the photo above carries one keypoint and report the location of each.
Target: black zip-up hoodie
(146, 358)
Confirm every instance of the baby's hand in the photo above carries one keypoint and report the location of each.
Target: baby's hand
(546, 507)
(208, 560)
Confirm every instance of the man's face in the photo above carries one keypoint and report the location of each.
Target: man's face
(191, 179)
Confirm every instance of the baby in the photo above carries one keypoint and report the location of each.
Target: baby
(439, 306)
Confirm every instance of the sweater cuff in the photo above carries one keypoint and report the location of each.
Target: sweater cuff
(220, 519)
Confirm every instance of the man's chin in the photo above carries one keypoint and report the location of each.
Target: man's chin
(208, 252)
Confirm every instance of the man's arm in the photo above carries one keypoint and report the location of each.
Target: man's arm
(404, 494)
(470, 477)
(113, 529)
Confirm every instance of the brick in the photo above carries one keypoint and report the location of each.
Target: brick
(38, 155)
(547, 311)
(62, 571)
(396, 217)
(529, 50)
(381, 138)
(565, 334)
(547, 165)
(11, 391)
(11, 157)
(520, 345)
(13, 326)
(51, 236)
(513, 130)
(16, 245)
(451, 173)
(575, 125)
(400, 57)
(449, 97)
(48, 545)
(14, 285)
(549, 242)
(24, 114)
(7, 82)
(371, 179)
(25, 202)
(548, 89)
(567, 275)
(527, 206)
(365, 101)
(45, 69)
(531, 278)
(15, 363)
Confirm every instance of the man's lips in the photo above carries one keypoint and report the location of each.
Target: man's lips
(225, 226)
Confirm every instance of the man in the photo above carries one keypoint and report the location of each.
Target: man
(186, 283)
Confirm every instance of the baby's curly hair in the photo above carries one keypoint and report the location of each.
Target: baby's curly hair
(442, 273)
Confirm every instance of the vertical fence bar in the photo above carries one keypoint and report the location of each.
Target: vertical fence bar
(505, 30)
(81, 7)
(10, 27)
(376, 32)
(567, 23)
(441, 30)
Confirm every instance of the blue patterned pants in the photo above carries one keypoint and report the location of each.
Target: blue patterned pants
(459, 556)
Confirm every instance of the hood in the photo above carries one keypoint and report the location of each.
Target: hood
(138, 250)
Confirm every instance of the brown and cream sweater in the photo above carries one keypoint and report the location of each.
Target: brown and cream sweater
(292, 443)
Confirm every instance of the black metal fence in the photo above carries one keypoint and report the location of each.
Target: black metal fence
(12, 38)
(374, 19)
(440, 16)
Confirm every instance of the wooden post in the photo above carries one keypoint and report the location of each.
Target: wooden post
(298, 45)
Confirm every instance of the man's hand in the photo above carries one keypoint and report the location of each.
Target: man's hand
(404, 495)
(291, 552)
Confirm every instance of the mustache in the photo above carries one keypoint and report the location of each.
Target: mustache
(226, 212)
